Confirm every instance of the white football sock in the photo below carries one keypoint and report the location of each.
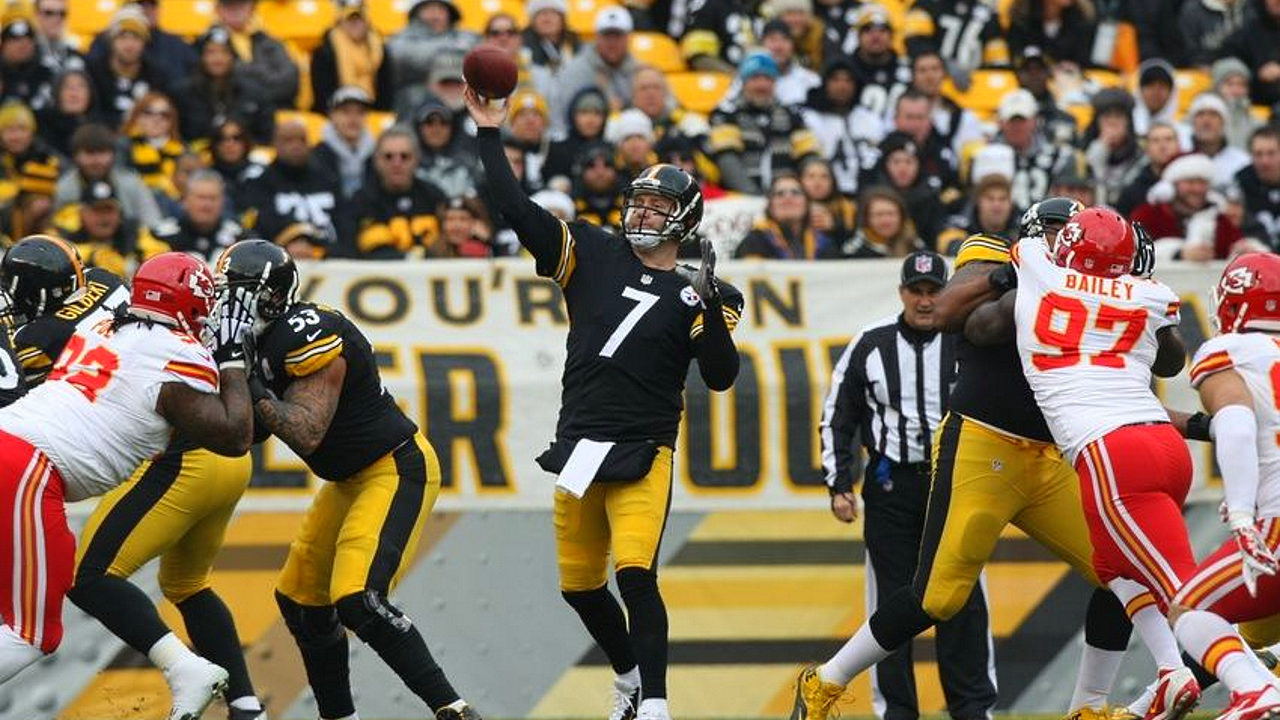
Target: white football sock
(458, 705)
(169, 651)
(15, 653)
(657, 706)
(247, 702)
(859, 653)
(1140, 706)
(1098, 670)
(628, 681)
(1217, 647)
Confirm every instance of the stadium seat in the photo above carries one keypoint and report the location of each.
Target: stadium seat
(303, 22)
(388, 16)
(1261, 113)
(302, 58)
(187, 18)
(475, 13)
(658, 50)
(699, 91)
(1190, 83)
(582, 15)
(1083, 113)
(986, 89)
(90, 17)
(1104, 78)
(313, 121)
(379, 121)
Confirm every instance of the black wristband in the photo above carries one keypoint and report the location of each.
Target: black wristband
(1003, 278)
(1198, 426)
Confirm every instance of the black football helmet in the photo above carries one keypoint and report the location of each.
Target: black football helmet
(266, 268)
(667, 181)
(1050, 211)
(37, 276)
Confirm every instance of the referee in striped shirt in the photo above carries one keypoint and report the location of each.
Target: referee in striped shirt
(888, 394)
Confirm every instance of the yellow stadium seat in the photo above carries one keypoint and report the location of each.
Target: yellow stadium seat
(187, 18)
(1004, 8)
(1104, 78)
(314, 122)
(1190, 83)
(1261, 113)
(302, 21)
(90, 17)
(1082, 113)
(301, 57)
(699, 91)
(582, 15)
(379, 121)
(475, 13)
(389, 16)
(658, 50)
(986, 89)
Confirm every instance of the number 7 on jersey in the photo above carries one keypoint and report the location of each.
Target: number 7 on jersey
(644, 301)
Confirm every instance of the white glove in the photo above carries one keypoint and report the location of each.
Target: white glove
(1255, 557)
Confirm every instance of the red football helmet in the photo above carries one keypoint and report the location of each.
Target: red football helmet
(1097, 242)
(1248, 294)
(175, 289)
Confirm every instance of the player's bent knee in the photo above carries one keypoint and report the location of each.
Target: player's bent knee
(636, 584)
(580, 576)
(369, 614)
(310, 625)
(176, 591)
(942, 606)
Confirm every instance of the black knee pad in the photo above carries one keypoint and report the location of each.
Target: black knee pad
(311, 626)
(1106, 626)
(637, 584)
(368, 612)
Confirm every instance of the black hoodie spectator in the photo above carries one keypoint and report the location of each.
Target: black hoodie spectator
(73, 106)
(847, 132)
(1258, 45)
(217, 89)
(1073, 40)
(561, 154)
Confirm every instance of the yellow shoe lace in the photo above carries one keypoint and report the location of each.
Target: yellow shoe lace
(822, 697)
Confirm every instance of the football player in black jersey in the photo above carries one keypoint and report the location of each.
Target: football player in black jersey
(316, 386)
(175, 507)
(637, 319)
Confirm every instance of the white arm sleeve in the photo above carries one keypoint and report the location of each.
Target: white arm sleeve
(1235, 430)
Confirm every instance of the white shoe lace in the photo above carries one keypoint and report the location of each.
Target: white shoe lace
(621, 702)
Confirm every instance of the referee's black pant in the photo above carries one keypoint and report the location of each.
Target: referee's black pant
(893, 525)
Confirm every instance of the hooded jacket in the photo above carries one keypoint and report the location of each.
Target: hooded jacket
(1142, 117)
(588, 68)
(1257, 44)
(412, 49)
(848, 135)
(1206, 24)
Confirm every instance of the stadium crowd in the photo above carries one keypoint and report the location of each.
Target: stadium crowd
(871, 130)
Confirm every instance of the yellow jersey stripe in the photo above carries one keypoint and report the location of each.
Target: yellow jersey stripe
(315, 348)
(315, 362)
(309, 347)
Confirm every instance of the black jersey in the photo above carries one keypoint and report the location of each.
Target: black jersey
(990, 386)
(367, 423)
(38, 343)
(631, 337)
(966, 34)
(12, 384)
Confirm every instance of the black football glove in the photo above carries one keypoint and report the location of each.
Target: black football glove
(1144, 255)
(1198, 426)
(704, 281)
(1004, 278)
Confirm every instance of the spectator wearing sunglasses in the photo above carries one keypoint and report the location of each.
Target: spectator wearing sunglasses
(352, 54)
(598, 186)
(154, 143)
(59, 49)
(502, 31)
(346, 145)
(229, 147)
(396, 210)
(786, 231)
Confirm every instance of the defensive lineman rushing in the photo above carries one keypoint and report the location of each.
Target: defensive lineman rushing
(1090, 336)
(117, 392)
(315, 385)
(637, 319)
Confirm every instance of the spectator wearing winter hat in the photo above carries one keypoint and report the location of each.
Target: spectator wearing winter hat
(1034, 71)
(25, 78)
(1206, 24)
(585, 119)
(881, 73)
(168, 53)
(1207, 118)
(125, 74)
(530, 120)
(631, 131)
(264, 62)
(27, 164)
(444, 84)
(351, 54)
(1231, 83)
(556, 203)
(550, 42)
(900, 168)
(447, 157)
(219, 88)
(597, 186)
(1075, 182)
(1161, 147)
(1113, 153)
(1157, 95)
(346, 146)
(808, 32)
(752, 132)
(1257, 43)
(847, 132)
(606, 63)
(794, 78)
(431, 31)
(1259, 183)
(683, 152)
(1170, 221)
(717, 36)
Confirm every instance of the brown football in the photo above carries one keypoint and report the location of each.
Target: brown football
(491, 71)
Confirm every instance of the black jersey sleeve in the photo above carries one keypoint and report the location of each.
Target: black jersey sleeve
(545, 236)
(37, 344)
(303, 341)
(713, 343)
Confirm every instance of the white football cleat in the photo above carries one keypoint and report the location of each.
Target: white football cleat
(194, 682)
(1261, 704)
(624, 700)
(653, 711)
(1177, 694)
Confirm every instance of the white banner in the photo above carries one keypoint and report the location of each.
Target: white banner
(473, 350)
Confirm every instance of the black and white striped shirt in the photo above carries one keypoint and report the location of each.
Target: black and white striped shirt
(889, 391)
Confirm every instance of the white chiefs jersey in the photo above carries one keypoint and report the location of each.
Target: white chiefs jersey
(1087, 344)
(1253, 356)
(95, 417)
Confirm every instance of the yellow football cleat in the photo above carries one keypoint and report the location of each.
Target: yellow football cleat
(1088, 713)
(815, 699)
(1124, 713)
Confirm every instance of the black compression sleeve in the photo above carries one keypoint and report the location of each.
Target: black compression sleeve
(717, 355)
(537, 229)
